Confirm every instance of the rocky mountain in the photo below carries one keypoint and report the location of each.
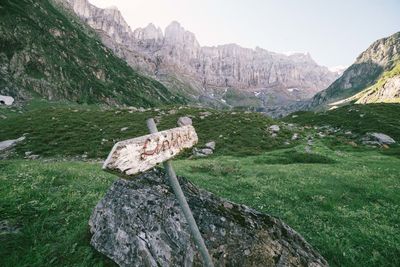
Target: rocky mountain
(373, 78)
(222, 75)
(46, 52)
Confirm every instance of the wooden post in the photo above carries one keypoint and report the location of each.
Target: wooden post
(198, 239)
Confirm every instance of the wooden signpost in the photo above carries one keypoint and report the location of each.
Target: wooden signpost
(133, 156)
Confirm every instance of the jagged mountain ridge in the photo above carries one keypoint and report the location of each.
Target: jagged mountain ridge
(48, 53)
(373, 78)
(176, 59)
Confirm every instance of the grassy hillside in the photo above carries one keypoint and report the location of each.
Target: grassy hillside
(343, 199)
(65, 130)
(45, 52)
(361, 119)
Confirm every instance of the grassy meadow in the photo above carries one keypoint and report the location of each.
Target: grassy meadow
(341, 196)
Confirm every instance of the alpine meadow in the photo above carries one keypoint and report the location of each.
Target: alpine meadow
(263, 157)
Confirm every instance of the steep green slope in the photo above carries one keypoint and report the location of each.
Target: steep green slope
(381, 57)
(45, 52)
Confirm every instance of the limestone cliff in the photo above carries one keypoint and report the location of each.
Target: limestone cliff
(226, 72)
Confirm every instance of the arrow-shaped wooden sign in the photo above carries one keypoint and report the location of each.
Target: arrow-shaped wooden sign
(140, 154)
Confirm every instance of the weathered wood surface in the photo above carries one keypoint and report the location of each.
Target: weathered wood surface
(139, 154)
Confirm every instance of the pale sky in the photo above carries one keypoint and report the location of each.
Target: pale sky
(334, 32)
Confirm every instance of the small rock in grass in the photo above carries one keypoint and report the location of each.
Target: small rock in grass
(274, 128)
(210, 145)
(183, 121)
(124, 129)
(295, 136)
(33, 157)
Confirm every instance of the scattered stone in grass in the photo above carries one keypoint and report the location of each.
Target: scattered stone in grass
(202, 152)
(182, 121)
(4, 145)
(274, 128)
(172, 111)
(307, 149)
(210, 145)
(8, 228)
(33, 157)
(295, 136)
(6, 100)
(124, 129)
(205, 113)
(3, 116)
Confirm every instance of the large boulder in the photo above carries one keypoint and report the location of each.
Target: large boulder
(139, 223)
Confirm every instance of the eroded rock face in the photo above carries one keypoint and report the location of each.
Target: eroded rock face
(139, 223)
(177, 60)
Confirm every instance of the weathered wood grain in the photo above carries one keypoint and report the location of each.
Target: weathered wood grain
(137, 155)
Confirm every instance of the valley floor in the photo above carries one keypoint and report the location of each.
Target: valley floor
(348, 209)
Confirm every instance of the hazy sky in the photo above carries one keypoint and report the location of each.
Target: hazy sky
(335, 32)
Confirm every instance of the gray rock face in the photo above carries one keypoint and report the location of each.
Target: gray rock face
(4, 145)
(378, 139)
(139, 223)
(177, 60)
(274, 128)
(6, 100)
(182, 121)
(210, 145)
(365, 71)
(202, 152)
(389, 92)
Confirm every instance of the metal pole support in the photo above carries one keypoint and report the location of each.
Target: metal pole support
(198, 239)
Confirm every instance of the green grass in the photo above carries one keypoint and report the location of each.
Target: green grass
(63, 130)
(381, 118)
(348, 210)
(50, 204)
(347, 207)
(344, 200)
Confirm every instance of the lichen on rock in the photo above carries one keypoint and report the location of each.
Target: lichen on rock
(139, 223)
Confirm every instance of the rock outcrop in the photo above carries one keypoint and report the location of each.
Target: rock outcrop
(208, 73)
(7, 144)
(139, 223)
(372, 78)
(377, 139)
(6, 100)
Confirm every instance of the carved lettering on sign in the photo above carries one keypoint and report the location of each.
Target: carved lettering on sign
(139, 154)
